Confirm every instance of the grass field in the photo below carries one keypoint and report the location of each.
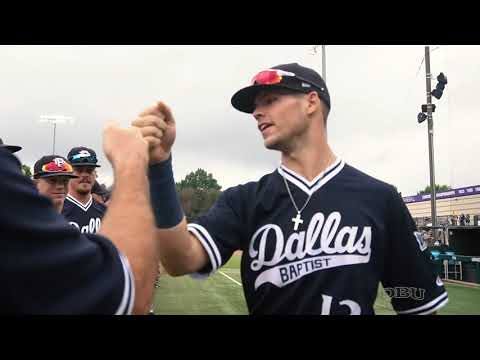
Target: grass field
(222, 294)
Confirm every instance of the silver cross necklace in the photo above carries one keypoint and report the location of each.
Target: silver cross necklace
(298, 219)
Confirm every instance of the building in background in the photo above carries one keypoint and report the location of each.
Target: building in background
(451, 205)
(458, 220)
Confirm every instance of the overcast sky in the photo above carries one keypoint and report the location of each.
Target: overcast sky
(376, 95)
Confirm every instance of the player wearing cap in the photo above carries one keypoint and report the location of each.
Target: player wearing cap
(318, 235)
(51, 176)
(80, 208)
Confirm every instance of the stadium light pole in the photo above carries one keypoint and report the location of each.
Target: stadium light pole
(54, 120)
(324, 59)
(433, 191)
(324, 63)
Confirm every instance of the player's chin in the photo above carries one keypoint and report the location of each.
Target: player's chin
(272, 143)
(86, 187)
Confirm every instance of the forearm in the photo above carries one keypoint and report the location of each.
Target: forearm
(180, 252)
(129, 224)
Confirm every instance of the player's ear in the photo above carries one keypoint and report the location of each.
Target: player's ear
(313, 102)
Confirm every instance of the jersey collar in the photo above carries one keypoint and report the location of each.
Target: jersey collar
(79, 204)
(321, 179)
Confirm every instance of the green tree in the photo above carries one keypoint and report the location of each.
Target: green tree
(26, 170)
(199, 180)
(438, 188)
(198, 192)
(186, 200)
(202, 201)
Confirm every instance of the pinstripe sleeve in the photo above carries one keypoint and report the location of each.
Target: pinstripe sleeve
(128, 297)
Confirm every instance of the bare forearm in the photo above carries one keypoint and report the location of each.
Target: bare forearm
(129, 224)
(180, 252)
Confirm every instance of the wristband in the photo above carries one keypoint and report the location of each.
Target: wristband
(163, 195)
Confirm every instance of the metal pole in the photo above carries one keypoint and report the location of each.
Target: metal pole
(430, 141)
(54, 130)
(324, 64)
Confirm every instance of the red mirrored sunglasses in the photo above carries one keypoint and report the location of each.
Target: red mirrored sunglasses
(58, 165)
(270, 77)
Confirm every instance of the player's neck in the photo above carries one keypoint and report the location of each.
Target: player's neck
(309, 161)
(83, 198)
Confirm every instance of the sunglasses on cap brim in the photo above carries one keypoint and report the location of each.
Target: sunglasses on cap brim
(271, 77)
(276, 76)
(84, 161)
(57, 167)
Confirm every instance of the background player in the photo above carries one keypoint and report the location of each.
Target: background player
(80, 208)
(51, 176)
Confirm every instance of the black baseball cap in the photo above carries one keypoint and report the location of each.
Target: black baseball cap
(82, 156)
(52, 165)
(293, 76)
(11, 148)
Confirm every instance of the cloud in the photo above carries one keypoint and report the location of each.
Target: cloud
(376, 95)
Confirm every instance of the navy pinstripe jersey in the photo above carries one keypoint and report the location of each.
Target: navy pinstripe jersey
(46, 266)
(86, 218)
(356, 233)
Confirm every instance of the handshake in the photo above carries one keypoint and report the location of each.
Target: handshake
(147, 142)
(137, 206)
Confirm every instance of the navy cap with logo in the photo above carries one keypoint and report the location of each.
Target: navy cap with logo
(82, 156)
(11, 148)
(52, 165)
(293, 76)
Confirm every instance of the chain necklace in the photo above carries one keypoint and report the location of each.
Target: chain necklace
(298, 219)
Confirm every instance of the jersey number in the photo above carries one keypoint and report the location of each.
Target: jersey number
(327, 305)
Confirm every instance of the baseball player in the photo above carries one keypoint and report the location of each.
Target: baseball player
(80, 207)
(317, 235)
(51, 176)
